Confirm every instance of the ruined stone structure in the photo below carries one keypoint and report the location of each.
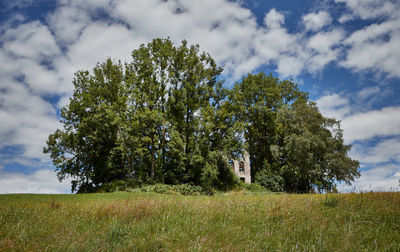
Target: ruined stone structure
(242, 168)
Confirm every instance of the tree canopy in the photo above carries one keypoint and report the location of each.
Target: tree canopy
(292, 146)
(165, 117)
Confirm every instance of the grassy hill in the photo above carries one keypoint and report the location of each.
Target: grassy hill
(225, 222)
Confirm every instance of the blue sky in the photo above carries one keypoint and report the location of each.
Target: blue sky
(345, 53)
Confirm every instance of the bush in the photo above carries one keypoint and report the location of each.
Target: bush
(271, 182)
(217, 174)
(186, 189)
(116, 185)
(254, 187)
(183, 189)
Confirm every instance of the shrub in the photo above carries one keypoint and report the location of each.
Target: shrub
(161, 188)
(116, 185)
(254, 187)
(271, 182)
(183, 189)
(186, 189)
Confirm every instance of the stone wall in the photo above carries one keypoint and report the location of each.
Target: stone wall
(242, 168)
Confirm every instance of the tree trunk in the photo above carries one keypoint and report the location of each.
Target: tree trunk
(152, 158)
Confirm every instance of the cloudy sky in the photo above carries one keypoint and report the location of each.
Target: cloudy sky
(345, 53)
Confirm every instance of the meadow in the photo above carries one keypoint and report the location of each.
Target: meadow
(234, 221)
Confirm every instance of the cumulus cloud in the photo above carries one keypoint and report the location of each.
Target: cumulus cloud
(316, 21)
(367, 9)
(67, 22)
(334, 106)
(324, 49)
(358, 120)
(386, 150)
(380, 178)
(31, 40)
(26, 120)
(368, 92)
(369, 124)
(41, 181)
(274, 19)
(375, 47)
(28, 76)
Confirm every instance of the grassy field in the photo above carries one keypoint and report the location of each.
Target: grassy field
(225, 222)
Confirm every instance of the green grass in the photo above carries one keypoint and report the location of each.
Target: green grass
(224, 222)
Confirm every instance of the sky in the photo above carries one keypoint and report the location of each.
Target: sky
(345, 53)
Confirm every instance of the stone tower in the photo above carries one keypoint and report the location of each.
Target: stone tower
(242, 168)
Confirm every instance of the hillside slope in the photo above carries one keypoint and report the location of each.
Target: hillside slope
(226, 222)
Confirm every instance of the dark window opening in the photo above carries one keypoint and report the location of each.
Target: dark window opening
(241, 166)
(242, 179)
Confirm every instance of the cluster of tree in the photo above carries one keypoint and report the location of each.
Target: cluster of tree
(165, 117)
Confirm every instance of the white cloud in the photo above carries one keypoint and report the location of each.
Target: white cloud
(387, 150)
(367, 9)
(289, 66)
(316, 21)
(323, 49)
(366, 98)
(100, 41)
(324, 41)
(88, 5)
(67, 23)
(334, 106)
(274, 19)
(380, 178)
(373, 50)
(30, 51)
(361, 123)
(373, 123)
(26, 120)
(368, 92)
(41, 181)
(375, 47)
(31, 40)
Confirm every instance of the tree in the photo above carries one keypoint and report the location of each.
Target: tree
(310, 151)
(292, 146)
(256, 100)
(89, 148)
(149, 121)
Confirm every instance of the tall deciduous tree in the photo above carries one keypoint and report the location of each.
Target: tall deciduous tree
(310, 151)
(149, 121)
(292, 146)
(89, 148)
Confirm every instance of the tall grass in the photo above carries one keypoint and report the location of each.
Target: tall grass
(224, 222)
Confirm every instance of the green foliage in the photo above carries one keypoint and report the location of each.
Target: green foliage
(165, 118)
(155, 119)
(183, 189)
(254, 187)
(292, 146)
(271, 182)
(114, 186)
